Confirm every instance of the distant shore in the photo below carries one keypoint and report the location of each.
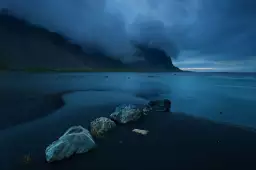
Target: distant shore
(54, 70)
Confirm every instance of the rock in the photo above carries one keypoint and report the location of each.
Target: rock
(126, 113)
(101, 125)
(160, 105)
(75, 140)
(140, 131)
(146, 109)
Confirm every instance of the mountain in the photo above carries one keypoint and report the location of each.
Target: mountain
(24, 45)
(154, 57)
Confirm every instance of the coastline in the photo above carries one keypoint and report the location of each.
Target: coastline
(175, 140)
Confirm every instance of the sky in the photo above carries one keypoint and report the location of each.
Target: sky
(200, 35)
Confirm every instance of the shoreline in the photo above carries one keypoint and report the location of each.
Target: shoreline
(175, 140)
(30, 108)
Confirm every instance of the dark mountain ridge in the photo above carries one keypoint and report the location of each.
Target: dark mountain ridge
(24, 45)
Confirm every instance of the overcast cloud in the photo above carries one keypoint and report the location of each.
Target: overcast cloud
(207, 31)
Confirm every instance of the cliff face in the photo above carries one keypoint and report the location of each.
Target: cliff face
(154, 57)
(23, 45)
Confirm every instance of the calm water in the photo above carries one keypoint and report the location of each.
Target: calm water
(221, 97)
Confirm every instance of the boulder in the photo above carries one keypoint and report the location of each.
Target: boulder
(126, 113)
(100, 126)
(75, 140)
(163, 105)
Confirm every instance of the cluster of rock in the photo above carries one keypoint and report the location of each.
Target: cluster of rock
(77, 140)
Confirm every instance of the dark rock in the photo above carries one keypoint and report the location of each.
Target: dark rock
(163, 105)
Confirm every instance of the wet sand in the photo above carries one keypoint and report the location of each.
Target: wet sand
(21, 108)
(175, 141)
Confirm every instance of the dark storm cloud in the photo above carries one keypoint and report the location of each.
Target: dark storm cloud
(226, 27)
(83, 21)
(111, 24)
(213, 29)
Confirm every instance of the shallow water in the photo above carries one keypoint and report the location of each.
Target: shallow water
(203, 95)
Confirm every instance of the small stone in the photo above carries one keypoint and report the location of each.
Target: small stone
(140, 131)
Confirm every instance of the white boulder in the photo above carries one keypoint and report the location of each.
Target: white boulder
(75, 140)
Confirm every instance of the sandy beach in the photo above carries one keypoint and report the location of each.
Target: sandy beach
(175, 141)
